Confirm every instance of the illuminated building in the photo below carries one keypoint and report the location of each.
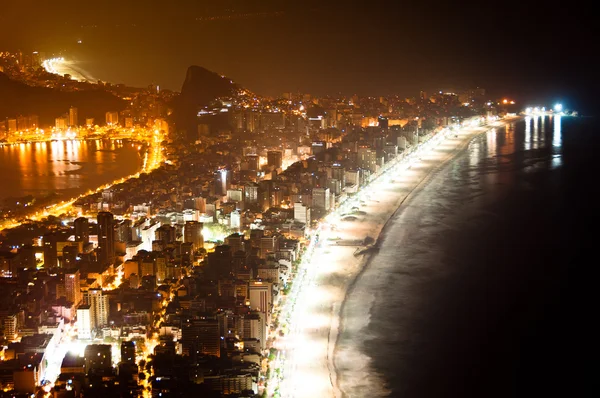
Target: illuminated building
(222, 181)
(321, 199)
(275, 159)
(334, 185)
(82, 230)
(250, 193)
(73, 120)
(268, 245)
(253, 162)
(147, 235)
(12, 125)
(235, 242)
(201, 337)
(128, 352)
(9, 325)
(338, 172)
(112, 118)
(234, 219)
(192, 233)
(253, 326)
(235, 195)
(98, 358)
(260, 295)
(98, 306)
(70, 254)
(106, 238)
(60, 123)
(73, 287)
(367, 159)
(84, 322)
(301, 213)
(166, 234)
(318, 147)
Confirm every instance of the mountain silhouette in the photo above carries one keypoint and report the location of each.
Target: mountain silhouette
(17, 98)
(199, 89)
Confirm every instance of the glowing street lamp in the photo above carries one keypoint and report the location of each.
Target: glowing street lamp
(558, 107)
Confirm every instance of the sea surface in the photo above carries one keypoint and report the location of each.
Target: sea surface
(68, 168)
(486, 284)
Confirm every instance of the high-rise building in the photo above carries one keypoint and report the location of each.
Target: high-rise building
(60, 123)
(235, 195)
(235, 242)
(253, 326)
(98, 358)
(148, 234)
(192, 233)
(99, 307)
(335, 186)
(166, 233)
(123, 232)
(268, 245)
(301, 213)
(84, 322)
(201, 337)
(253, 162)
(12, 125)
(250, 193)
(222, 181)
(9, 325)
(112, 118)
(70, 255)
(49, 241)
(82, 230)
(106, 238)
(261, 298)
(128, 352)
(275, 159)
(73, 120)
(73, 286)
(320, 198)
(367, 159)
(234, 220)
(338, 172)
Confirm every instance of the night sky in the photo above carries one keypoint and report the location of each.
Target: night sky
(534, 51)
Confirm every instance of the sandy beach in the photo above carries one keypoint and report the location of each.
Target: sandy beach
(314, 364)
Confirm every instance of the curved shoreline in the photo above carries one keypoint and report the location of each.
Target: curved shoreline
(338, 320)
(62, 199)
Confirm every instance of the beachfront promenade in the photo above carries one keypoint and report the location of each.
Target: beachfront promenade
(308, 362)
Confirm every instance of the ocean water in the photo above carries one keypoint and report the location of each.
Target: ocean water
(485, 284)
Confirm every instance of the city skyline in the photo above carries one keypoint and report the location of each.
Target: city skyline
(267, 199)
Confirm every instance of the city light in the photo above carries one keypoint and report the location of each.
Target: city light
(558, 107)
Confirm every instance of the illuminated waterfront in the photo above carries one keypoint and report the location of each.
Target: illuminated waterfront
(68, 168)
(152, 159)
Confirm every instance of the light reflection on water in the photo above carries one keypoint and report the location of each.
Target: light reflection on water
(391, 293)
(557, 142)
(66, 167)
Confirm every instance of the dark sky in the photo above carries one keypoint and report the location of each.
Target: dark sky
(526, 50)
